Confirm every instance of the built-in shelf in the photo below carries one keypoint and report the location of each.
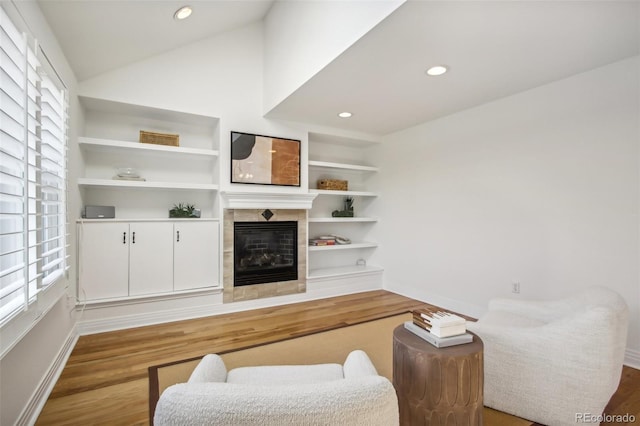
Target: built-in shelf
(342, 158)
(344, 166)
(341, 219)
(343, 271)
(352, 246)
(114, 183)
(345, 193)
(107, 145)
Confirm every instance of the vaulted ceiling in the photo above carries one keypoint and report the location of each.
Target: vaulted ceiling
(493, 49)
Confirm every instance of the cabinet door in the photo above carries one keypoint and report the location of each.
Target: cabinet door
(196, 248)
(151, 258)
(104, 260)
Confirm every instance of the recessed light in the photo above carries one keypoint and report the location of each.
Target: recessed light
(437, 70)
(345, 114)
(183, 13)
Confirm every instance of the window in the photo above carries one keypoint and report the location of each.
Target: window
(32, 173)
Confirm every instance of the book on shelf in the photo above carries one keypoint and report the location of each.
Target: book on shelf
(438, 342)
(439, 318)
(452, 330)
(322, 242)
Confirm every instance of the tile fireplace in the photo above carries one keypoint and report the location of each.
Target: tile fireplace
(264, 253)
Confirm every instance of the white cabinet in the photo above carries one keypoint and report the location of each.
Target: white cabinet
(103, 260)
(188, 173)
(196, 254)
(150, 258)
(333, 157)
(120, 260)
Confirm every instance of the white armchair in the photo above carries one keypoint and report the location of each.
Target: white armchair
(551, 361)
(320, 394)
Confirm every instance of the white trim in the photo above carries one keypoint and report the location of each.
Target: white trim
(320, 290)
(14, 330)
(267, 200)
(114, 183)
(108, 145)
(135, 300)
(342, 219)
(332, 274)
(345, 193)
(144, 319)
(38, 399)
(330, 165)
(632, 358)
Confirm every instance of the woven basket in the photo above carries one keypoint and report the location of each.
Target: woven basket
(333, 184)
(159, 138)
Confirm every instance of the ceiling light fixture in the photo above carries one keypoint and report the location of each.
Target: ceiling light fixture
(437, 70)
(183, 13)
(345, 114)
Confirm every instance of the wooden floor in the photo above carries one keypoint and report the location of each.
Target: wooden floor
(105, 380)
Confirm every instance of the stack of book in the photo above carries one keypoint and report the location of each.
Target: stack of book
(439, 328)
(323, 241)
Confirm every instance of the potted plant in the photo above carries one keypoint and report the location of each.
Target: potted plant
(184, 210)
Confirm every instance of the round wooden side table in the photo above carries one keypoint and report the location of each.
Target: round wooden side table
(437, 386)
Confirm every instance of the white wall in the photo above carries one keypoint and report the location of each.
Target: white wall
(28, 371)
(302, 37)
(220, 76)
(541, 188)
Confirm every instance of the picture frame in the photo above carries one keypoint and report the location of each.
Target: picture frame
(264, 160)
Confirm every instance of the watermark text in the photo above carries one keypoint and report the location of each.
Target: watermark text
(608, 418)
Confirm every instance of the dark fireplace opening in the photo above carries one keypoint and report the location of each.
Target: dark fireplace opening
(265, 252)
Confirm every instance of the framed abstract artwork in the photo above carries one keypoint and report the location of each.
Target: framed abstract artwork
(264, 160)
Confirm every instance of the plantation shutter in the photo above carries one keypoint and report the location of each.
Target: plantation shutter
(13, 168)
(33, 175)
(53, 180)
(33, 218)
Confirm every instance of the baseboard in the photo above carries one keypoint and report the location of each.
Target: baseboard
(632, 358)
(39, 398)
(121, 322)
(87, 327)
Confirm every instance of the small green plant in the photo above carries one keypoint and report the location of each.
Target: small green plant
(183, 210)
(348, 209)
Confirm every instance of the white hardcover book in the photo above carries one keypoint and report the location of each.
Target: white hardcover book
(450, 331)
(438, 342)
(442, 319)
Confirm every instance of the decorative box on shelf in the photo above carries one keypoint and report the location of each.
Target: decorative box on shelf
(159, 138)
(333, 184)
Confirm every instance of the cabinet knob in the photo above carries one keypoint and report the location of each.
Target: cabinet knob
(177, 236)
(124, 238)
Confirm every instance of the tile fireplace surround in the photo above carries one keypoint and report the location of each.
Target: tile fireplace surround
(256, 291)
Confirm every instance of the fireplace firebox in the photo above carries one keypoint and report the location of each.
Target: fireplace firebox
(265, 252)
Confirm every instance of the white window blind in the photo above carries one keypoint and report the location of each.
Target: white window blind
(53, 180)
(32, 174)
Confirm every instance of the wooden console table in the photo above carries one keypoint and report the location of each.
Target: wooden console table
(437, 386)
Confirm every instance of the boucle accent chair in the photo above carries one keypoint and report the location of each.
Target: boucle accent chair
(320, 394)
(551, 361)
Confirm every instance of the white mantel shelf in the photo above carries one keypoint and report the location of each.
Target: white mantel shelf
(267, 200)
